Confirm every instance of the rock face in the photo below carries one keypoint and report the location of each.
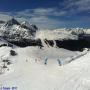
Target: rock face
(28, 42)
(2, 22)
(73, 45)
(32, 28)
(11, 23)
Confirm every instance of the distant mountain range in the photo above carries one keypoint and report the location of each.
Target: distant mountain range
(26, 34)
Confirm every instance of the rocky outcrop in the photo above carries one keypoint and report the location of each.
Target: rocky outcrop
(27, 42)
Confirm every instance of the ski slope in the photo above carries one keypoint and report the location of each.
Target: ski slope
(29, 73)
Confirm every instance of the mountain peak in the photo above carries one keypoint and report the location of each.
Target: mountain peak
(12, 22)
(25, 23)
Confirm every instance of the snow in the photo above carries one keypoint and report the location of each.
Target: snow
(55, 34)
(25, 23)
(28, 71)
(60, 34)
(87, 31)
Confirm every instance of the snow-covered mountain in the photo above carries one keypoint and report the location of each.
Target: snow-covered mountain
(12, 30)
(26, 34)
(13, 27)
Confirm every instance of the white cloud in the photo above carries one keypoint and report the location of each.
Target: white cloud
(46, 23)
(41, 12)
(76, 6)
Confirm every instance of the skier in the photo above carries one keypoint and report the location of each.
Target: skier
(36, 60)
(26, 60)
(59, 62)
(46, 61)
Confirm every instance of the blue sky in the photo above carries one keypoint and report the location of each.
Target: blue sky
(49, 13)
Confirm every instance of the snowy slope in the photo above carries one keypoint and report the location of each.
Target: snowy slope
(28, 71)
